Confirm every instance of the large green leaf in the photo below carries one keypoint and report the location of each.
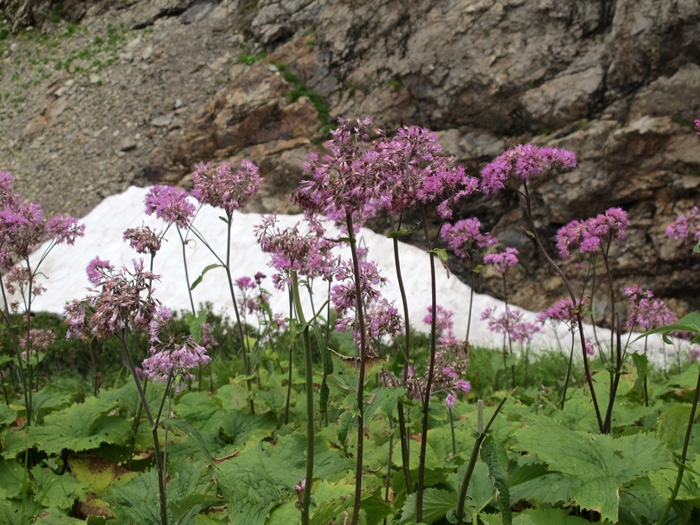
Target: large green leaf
(436, 504)
(599, 464)
(494, 454)
(57, 491)
(689, 323)
(547, 516)
(263, 476)
(81, 427)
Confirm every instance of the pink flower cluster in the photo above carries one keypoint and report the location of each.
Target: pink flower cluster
(121, 299)
(589, 235)
(170, 357)
(380, 316)
(143, 240)
(647, 313)
(170, 204)
(23, 227)
(565, 311)
(686, 228)
(225, 187)
(501, 261)
(521, 163)
(359, 178)
(510, 323)
(465, 236)
(309, 254)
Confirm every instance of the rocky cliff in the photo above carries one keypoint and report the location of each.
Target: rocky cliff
(107, 94)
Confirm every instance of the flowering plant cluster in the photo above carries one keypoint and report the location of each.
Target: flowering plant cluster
(589, 235)
(511, 324)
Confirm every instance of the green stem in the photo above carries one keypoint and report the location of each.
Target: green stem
(526, 198)
(429, 381)
(473, 457)
(359, 312)
(306, 499)
(154, 429)
(187, 273)
(684, 454)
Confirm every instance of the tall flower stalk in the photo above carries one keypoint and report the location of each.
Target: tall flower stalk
(22, 229)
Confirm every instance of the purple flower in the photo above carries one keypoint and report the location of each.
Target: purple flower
(225, 187)
(647, 313)
(697, 126)
(309, 254)
(123, 301)
(451, 400)
(510, 323)
(65, 229)
(171, 356)
(170, 204)
(521, 163)
(443, 323)
(565, 311)
(503, 260)
(589, 235)
(143, 240)
(686, 228)
(465, 236)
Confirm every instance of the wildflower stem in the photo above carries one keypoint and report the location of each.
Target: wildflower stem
(527, 206)
(244, 340)
(183, 242)
(473, 457)
(403, 433)
(306, 499)
(429, 380)
(684, 454)
(154, 427)
(361, 375)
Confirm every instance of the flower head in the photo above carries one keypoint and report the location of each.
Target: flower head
(597, 232)
(224, 186)
(170, 204)
(464, 237)
(65, 229)
(686, 228)
(521, 163)
(143, 240)
(647, 313)
(565, 311)
(510, 323)
(501, 261)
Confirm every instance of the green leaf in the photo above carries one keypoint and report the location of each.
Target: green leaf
(333, 499)
(547, 516)
(689, 323)
(375, 508)
(402, 233)
(56, 517)
(384, 400)
(195, 324)
(641, 363)
(57, 491)
(436, 504)
(494, 454)
(599, 464)
(7, 415)
(198, 280)
(81, 427)
(98, 473)
(442, 255)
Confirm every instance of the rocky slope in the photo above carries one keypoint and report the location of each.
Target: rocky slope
(138, 92)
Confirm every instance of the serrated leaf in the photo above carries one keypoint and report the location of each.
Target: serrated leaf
(195, 324)
(98, 473)
(199, 279)
(7, 415)
(599, 463)
(436, 504)
(332, 499)
(57, 491)
(547, 516)
(80, 427)
(384, 400)
(496, 458)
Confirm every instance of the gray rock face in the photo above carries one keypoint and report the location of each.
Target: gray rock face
(616, 81)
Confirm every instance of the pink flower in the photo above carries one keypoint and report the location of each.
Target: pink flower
(225, 187)
(170, 204)
(686, 228)
(521, 163)
(503, 260)
(465, 236)
(143, 240)
(589, 235)
(65, 229)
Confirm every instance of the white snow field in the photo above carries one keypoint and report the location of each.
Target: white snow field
(66, 278)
